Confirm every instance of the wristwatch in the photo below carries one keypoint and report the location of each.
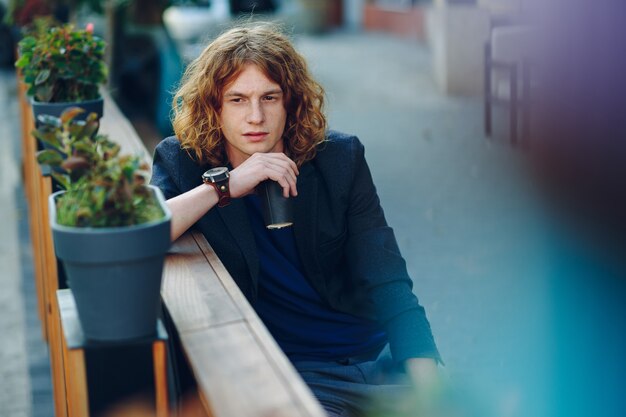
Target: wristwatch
(218, 178)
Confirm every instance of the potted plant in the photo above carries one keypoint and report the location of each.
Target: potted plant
(111, 230)
(63, 67)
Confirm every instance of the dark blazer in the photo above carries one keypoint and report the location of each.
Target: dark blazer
(349, 253)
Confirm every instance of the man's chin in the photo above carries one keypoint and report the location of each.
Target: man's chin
(261, 147)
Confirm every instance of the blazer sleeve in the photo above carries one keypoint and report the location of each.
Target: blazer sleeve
(377, 266)
(166, 167)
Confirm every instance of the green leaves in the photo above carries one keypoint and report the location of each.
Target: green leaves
(44, 93)
(48, 138)
(49, 157)
(75, 163)
(69, 114)
(62, 179)
(23, 60)
(28, 43)
(42, 77)
(104, 188)
(62, 64)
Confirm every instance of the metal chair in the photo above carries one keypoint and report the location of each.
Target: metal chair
(507, 79)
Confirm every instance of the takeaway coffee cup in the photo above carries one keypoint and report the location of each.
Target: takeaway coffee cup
(277, 210)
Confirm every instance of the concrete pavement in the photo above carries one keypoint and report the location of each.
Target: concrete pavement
(462, 208)
(25, 387)
(15, 399)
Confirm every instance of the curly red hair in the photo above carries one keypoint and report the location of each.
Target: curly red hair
(197, 103)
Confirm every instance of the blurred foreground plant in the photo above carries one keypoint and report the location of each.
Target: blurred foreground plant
(442, 399)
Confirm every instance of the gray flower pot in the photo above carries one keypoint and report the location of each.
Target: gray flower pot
(56, 109)
(114, 274)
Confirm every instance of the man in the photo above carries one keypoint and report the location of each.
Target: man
(333, 290)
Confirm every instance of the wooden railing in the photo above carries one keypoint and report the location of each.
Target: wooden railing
(239, 368)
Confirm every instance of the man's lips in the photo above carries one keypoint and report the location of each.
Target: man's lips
(256, 136)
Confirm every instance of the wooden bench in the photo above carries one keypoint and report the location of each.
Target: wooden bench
(239, 368)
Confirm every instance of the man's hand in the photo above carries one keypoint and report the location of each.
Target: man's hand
(260, 167)
(189, 207)
(427, 383)
(423, 372)
(434, 395)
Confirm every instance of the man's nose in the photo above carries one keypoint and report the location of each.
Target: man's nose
(255, 114)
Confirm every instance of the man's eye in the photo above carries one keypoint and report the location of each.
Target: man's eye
(235, 100)
(270, 98)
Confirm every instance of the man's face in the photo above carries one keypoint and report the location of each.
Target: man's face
(253, 115)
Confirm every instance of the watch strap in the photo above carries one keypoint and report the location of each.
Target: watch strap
(223, 193)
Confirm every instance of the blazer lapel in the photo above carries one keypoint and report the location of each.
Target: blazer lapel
(305, 218)
(235, 217)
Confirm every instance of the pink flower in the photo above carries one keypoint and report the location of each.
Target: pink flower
(89, 27)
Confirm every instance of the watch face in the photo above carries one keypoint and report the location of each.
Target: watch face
(216, 174)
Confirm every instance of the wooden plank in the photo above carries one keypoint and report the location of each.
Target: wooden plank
(159, 356)
(194, 297)
(73, 355)
(235, 375)
(50, 285)
(49, 259)
(57, 368)
(223, 276)
(75, 381)
(55, 347)
(204, 404)
(37, 225)
(26, 124)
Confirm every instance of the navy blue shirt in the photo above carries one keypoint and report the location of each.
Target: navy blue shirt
(303, 325)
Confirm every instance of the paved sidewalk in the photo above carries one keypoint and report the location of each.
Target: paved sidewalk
(462, 209)
(15, 399)
(25, 384)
